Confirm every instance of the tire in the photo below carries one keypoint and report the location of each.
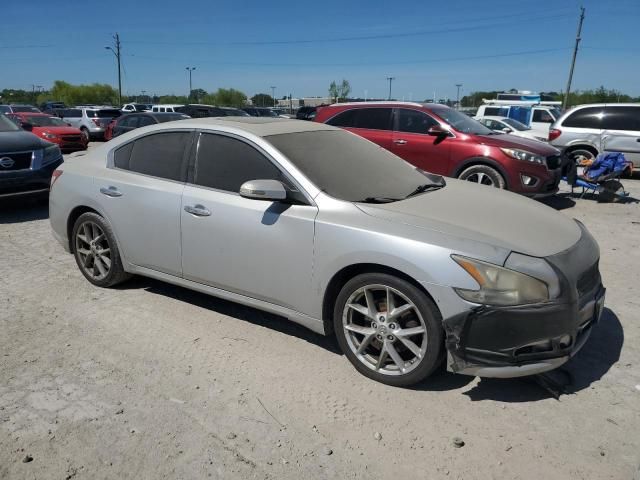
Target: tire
(483, 175)
(367, 339)
(578, 154)
(86, 134)
(100, 266)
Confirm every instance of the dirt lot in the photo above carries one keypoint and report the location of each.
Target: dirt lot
(154, 381)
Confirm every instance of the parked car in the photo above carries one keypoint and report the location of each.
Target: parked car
(50, 107)
(26, 161)
(260, 112)
(234, 112)
(327, 229)
(18, 108)
(537, 116)
(165, 108)
(195, 110)
(304, 113)
(135, 107)
(92, 121)
(511, 126)
(131, 121)
(442, 140)
(51, 129)
(587, 130)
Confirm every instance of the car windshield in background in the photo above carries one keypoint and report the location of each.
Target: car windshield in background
(139, 106)
(516, 124)
(7, 125)
(350, 168)
(38, 121)
(556, 113)
(170, 117)
(106, 113)
(25, 108)
(461, 122)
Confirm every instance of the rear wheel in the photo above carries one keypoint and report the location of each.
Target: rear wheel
(388, 329)
(483, 175)
(581, 155)
(96, 252)
(85, 134)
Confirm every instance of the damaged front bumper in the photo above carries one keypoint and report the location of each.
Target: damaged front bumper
(504, 342)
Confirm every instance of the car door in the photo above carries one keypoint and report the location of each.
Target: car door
(621, 133)
(373, 123)
(141, 196)
(260, 249)
(541, 121)
(412, 143)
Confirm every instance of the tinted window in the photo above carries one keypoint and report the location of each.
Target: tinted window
(413, 121)
(25, 108)
(160, 155)
(460, 121)
(130, 121)
(492, 111)
(542, 116)
(590, 117)
(622, 118)
(7, 125)
(145, 120)
(4, 108)
(371, 118)
(226, 163)
(103, 113)
(73, 113)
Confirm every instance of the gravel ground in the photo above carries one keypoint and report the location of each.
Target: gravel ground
(154, 381)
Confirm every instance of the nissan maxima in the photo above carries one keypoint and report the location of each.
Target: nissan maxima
(333, 232)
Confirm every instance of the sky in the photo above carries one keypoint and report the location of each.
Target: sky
(301, 46)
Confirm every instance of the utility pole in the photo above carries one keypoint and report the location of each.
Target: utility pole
(116, 52)
(573, 60)
(391, 79)
(190, 69)
(458, 85)
(273, 95)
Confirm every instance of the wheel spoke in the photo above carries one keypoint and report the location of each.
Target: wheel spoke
(381, 358)
(359, 308)
(98, 263)
(480, 177)
(408, 332)
(411, 346)
(395, 356)
(87, 232)
(83, 238)
(360, 329)
(396, 312)
(371, 304)
(86, 261)
(84, 251)
(99, 237)
(390, 302)
(365, 343)
(106, 260)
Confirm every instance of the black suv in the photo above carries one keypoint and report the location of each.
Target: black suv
(26, 161)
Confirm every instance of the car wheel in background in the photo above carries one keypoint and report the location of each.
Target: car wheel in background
(484, 175)
(389, 329)
(582, 155)
(96, 251)
(85, 134)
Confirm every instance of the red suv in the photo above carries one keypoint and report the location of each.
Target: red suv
(442, 140)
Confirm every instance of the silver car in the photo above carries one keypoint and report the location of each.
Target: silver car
(587, 130)
(329, 230)
(92, 121)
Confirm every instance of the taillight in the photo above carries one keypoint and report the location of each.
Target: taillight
(54, 176)
(554, 133)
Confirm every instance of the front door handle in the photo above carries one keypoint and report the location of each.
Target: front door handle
(111, 191)
(197, 210)
(400, 142)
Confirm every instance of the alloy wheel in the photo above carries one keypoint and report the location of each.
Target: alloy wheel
(481, 178)
(93, 250)
(384, 330)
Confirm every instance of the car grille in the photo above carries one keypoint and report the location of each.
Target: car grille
(553, 162)
(589, 280)
(15, 161)
(71, 138)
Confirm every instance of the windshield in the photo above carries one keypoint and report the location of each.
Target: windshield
(103, 113)
(515, 124)
(350, 168)
(556, 113)
(38, 121)
(25, 108)
(461, 122)
(7, 125)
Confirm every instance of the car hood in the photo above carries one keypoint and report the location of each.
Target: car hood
(511, 141)
(58, 130)
(20, 141)
(484, 214)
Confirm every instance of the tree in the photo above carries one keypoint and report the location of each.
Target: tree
(333, 91)
(339, 92)
(197, 94)
(229, 97)
(262, 100)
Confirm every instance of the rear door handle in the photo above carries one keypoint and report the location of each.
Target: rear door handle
(111, 191)
(400, 142)
(197, 210)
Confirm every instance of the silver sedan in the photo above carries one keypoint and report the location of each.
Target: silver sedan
(335, 233)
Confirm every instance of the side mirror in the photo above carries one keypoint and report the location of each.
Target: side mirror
(263, 190)
(507, 130)
(437, 131)
(26, 126)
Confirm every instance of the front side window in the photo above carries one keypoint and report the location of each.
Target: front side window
(370, 118)
(145, 120)
(225, 163)
(459, 121)
(413, 121)
(159, 155)
(589, 117)
(622, 118)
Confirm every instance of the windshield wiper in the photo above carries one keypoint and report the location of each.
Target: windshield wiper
(425, 188)
(380, 200)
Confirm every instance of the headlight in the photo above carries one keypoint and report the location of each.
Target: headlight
(50, 154)
(49, 135)
(523, 155)
(500, 286)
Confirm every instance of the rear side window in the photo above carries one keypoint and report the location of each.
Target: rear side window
(225, 163)
(73, 113)
(371, 118)
(542, 116)
(589, 117)
(493, 111)
(621, 118)
(413, 121)
(131, 121)
(145, 120)
(159, 155)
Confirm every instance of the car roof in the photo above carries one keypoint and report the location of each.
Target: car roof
(259, 126)
(607, 105)
(389, 103)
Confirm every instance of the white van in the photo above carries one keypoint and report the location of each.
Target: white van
(162, 108)
(538, 116)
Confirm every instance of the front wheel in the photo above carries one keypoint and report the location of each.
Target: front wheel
(483, 175)
(389, 329)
